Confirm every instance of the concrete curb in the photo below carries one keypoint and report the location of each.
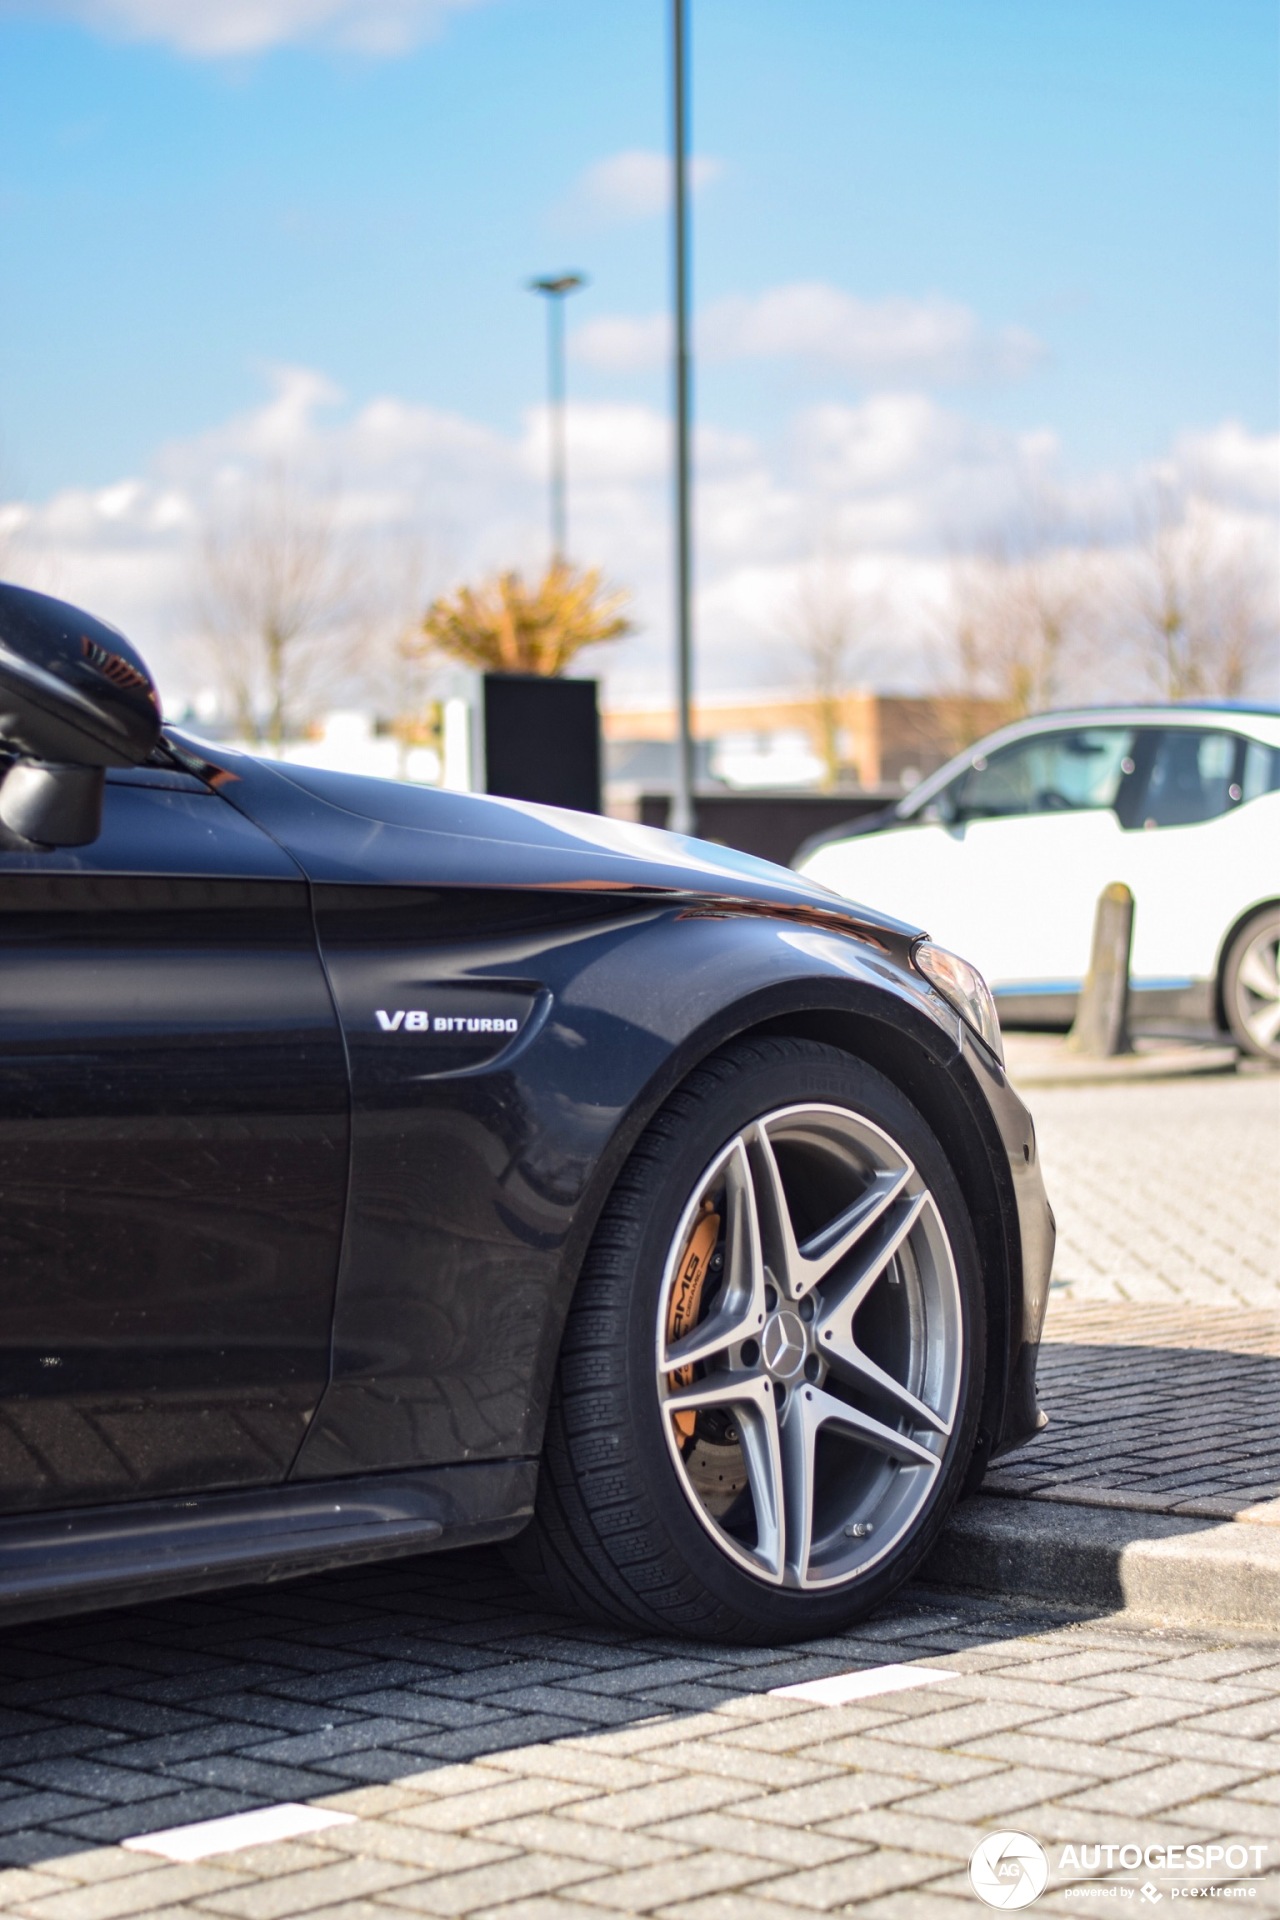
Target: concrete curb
(1058, 1068)
(1156, 1566)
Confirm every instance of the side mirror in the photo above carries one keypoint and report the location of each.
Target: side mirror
(74, 699)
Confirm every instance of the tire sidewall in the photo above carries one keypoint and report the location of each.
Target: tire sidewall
(825, 1075)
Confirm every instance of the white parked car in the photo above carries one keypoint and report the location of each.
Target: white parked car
(1003, 852)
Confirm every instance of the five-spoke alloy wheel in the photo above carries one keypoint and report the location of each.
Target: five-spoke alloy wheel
(769, 1384)
(812, 1388)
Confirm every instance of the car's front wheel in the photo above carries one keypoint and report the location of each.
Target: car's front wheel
(770, 1376)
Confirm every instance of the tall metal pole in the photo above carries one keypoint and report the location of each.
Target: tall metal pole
(556, 287)
(682, 814)
(555, 396)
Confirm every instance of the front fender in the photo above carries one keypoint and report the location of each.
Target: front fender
(865, 1000)
(475, 1190)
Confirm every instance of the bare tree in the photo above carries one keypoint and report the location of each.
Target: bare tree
(966, 622)
(277, 594)
(1202, 606)
(391, 664)
(1246, 618)
(827, 626)
(1022, 610)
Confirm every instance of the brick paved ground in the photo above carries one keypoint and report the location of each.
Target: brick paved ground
(1167, 1192)
(1148, 1410)
(499, 1761)
(1161, 1365)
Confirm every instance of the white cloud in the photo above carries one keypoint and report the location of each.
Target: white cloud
(618, 343)
(1236, 466)
(932, 339)
(286, 427)
(898, 483)
(903, 471)
(608, 444)
(634, 185)
(221, 29)
(883, 342)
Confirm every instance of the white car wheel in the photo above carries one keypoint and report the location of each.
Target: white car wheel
(1251, 986)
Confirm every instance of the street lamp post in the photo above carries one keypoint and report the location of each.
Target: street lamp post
(557, 287)
(682, 815)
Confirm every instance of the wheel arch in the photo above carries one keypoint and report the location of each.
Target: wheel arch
(879, 1031)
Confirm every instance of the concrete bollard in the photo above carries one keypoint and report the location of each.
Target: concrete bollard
(1101, 1028)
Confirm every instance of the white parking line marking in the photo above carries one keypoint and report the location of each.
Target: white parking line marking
(235, 1830)
(838, 1688)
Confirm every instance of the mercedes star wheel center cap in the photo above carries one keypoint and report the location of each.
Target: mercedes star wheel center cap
(784, 1346)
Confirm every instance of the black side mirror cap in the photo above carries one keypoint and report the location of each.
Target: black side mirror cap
(53, 806)
(75, 699)
(73, 692)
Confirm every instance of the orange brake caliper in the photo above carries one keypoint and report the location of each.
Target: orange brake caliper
(686, 1299)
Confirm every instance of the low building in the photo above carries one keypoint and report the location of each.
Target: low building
(856, 739)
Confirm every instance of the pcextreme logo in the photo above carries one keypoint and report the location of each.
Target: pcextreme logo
(418, 1020)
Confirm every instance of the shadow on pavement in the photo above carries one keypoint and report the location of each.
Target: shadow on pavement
(128, 1722)
(1185, 1429)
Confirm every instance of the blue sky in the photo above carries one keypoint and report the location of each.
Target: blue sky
(1054, 223)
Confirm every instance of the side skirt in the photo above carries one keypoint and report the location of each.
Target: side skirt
(78, 1559)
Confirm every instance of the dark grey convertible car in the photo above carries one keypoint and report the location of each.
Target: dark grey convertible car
(385, 1169)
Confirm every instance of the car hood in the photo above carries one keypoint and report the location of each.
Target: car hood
(347, 828)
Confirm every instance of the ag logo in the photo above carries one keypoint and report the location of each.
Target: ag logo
(1008, 1869)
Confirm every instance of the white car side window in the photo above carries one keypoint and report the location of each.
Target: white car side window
(1261, 770)
(1052, 773)
(1193, 778)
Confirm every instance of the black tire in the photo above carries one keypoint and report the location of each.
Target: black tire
(615, 1532)
(1257, 945)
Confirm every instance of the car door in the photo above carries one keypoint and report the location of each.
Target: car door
(173, 1155)
(1196, 860)
(1036, 834)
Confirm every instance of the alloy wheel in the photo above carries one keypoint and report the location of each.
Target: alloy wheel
(809, 1349)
